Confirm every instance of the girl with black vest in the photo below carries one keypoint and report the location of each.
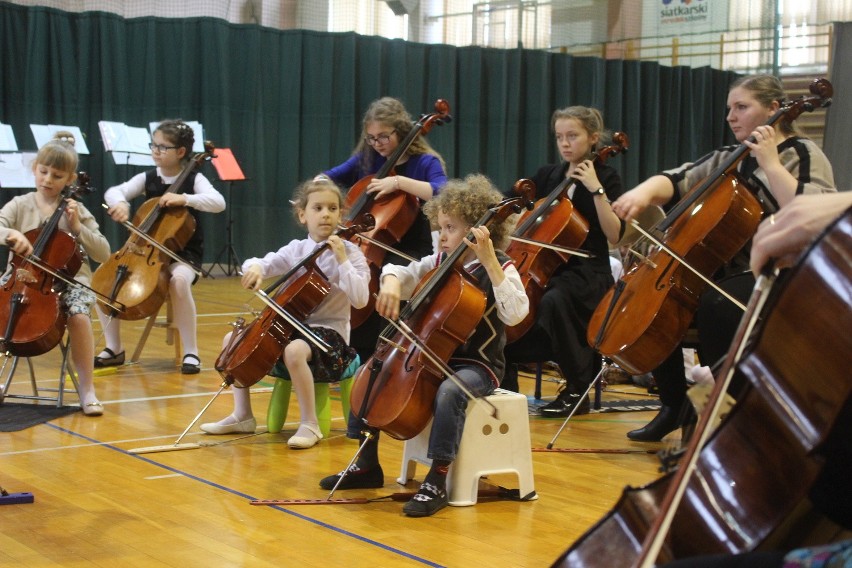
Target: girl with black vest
(171, 149)
(479, 363)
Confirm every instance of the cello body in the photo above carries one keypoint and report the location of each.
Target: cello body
(254, 348)
(407, 382)
(29, 301)
(640, 327)
(136, 276)
(763, 458)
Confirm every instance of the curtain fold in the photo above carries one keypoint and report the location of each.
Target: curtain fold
(838, 118)
(289, 103)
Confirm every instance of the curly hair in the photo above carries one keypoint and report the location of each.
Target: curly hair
(177, 132)
(391, 113)
(469, 199)
(306, 188)
(59, 153)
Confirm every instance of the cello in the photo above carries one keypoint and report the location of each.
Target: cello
(31, 314)
(393, 215)
(395, 390)
(135, 276)
(644, 317)
(734, 490)
(553, 221)
(255, 347)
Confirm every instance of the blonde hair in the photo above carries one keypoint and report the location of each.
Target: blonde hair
(589, 118)
(468, 199)
(306, 188)
(391, 112)
(767, 89)
(59, 153)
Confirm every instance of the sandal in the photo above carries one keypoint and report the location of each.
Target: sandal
(188, 367)
(114, 360)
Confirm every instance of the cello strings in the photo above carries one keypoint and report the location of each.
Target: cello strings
(695, 271)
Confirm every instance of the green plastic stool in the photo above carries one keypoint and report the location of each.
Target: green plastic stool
(276, 415)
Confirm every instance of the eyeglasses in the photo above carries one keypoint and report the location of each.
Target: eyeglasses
(380, 139)
(160, 147)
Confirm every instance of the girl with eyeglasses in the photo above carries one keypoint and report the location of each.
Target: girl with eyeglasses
(171, 149)
(420, 171)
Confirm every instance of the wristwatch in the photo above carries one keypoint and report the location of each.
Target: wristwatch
(600, 191)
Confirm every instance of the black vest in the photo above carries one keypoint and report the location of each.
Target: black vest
(485, 346)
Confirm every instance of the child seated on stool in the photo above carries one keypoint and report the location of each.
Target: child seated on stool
(318, 206)
(479, 363)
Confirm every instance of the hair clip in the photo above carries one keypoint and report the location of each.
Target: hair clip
(322, 178)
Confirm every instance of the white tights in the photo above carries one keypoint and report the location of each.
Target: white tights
(297, 354)
(183, 309)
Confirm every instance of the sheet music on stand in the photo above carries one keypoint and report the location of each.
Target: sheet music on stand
(43, 133)
(127, 144)
(197, 131)
(7, 139)
(16, 170)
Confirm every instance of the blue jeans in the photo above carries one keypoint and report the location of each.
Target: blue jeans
(449, 411)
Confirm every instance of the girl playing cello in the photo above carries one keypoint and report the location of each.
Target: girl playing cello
(318, 205)
(559, 332)
(420, 171)
(171, 149)
(478, 364)
(55, 168)
(782, 165)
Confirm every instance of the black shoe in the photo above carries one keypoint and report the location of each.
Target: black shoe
(666, 421)
(191, 364)
(427, 501)
(564, 404)
(356, 478)
(114, 359)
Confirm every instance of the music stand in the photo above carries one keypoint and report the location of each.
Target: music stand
(127, 144)
(15, 166)
(228, 170)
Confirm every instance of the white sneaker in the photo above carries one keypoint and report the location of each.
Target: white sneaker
(309, 440)
(247, 426)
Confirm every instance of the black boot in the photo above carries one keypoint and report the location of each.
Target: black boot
(565, 403)
(668, 420)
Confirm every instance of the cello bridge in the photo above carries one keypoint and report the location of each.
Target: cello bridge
(133, 248)
(25, 276)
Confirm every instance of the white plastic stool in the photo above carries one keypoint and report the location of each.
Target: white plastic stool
(488, 446)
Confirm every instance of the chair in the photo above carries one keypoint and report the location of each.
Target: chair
(488, 446)
(65, 371)
(279, 402)
(172, 334)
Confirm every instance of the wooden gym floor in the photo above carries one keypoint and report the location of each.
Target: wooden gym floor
(96, 504)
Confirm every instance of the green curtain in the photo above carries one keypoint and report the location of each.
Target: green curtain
(289, 103)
